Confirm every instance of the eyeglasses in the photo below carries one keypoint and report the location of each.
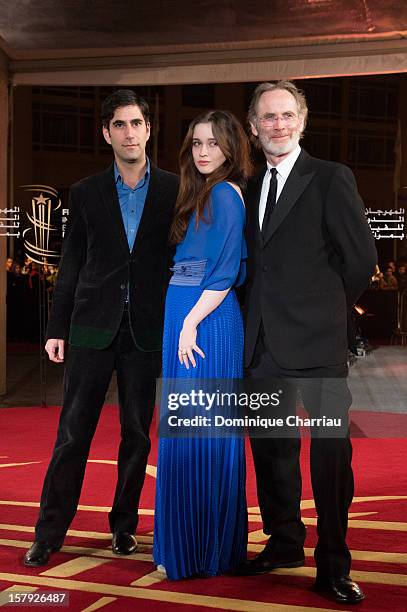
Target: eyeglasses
(270, 119)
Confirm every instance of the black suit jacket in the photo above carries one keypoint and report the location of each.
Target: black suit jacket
(316, 259)
(97, 266)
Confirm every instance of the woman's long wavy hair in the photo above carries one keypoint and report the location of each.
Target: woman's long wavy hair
(195, 187)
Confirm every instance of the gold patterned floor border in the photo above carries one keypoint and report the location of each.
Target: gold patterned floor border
(364, 576)
(95, 535)
(84, 550)
(353, 523)
(4, 502)
(146, 542)
(100, 603)
(307, 504)
(209, 601)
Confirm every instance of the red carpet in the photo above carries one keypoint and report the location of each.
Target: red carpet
(95, 579)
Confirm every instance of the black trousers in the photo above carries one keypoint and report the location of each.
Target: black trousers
(277, 463)
(87, 377)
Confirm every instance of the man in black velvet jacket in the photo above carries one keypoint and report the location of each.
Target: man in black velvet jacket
(305, 221)
(108, 305)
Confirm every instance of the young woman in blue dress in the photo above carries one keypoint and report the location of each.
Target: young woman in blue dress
(200, 510)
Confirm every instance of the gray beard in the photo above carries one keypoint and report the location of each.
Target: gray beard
(276, 150)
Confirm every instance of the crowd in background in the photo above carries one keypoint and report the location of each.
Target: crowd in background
(24, 282)
(26, 279)
(393, 277)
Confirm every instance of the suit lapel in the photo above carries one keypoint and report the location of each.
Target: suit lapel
(110, 198)
(296, 183)
(151, 206)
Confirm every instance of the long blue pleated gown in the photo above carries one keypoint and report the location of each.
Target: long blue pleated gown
(200, 510)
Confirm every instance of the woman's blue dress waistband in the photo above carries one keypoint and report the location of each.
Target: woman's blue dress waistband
(188, 273)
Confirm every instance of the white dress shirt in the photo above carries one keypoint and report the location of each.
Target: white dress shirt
(283, 170)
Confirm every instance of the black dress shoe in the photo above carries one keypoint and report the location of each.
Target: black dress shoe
(270, 559)
(339, 588)
(123, 543)
(39, 553)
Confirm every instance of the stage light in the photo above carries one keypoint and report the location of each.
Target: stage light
(359, 310)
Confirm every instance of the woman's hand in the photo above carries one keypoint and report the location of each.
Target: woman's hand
(187, 344)
(209, 300)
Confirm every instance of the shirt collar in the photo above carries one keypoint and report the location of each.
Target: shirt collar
(118, 178)
(284, 168)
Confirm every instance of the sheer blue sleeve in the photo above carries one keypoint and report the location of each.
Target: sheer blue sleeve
(225, 246)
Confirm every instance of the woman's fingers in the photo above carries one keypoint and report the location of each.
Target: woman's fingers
(191, 356)
(185, 360)
(199, 351)
(187, 355)
(182, 353)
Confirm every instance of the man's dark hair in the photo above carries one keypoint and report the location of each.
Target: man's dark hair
(120, 98)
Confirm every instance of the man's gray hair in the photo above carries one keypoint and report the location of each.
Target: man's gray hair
(288, 86)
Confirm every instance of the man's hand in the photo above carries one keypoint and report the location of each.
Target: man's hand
(55, 349)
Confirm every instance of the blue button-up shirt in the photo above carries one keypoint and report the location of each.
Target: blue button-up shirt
(132, 202)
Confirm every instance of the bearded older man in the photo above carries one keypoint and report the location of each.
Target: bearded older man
(305, 220)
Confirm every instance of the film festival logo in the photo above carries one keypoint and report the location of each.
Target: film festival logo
(37, 237)
(39, 211)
